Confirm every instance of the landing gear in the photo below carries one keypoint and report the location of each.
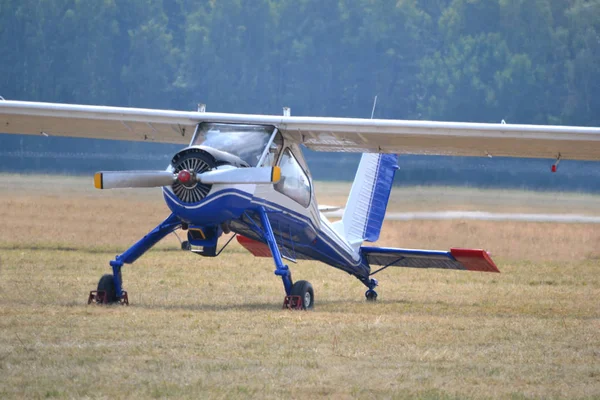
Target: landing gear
(107, 292)
(371, 295)
(109, 287)
(302, 296)
(299, 295)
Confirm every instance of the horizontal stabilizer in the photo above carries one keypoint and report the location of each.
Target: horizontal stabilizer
(329, 209)
(461, 259)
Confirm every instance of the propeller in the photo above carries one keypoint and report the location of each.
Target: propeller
(223, 175)
(232, 175)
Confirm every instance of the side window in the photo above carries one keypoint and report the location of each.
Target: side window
(293, 183)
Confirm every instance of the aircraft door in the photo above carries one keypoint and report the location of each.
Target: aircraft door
(294, 182)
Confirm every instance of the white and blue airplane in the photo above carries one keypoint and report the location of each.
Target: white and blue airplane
(246, 174)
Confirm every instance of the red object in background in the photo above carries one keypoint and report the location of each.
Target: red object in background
(474, 260)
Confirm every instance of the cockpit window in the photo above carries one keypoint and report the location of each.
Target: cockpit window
(245, 141)
(294, 182)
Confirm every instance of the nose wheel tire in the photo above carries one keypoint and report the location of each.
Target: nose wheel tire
(371, 295)
(305, 290)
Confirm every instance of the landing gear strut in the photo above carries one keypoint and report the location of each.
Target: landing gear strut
(371, 294)
(299, 295)
(110, 288)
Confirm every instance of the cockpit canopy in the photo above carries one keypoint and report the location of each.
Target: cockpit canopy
(247, 142)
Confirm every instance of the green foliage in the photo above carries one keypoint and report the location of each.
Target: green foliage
(526, 61)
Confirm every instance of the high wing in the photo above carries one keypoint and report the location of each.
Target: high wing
(316, 133)
(98, 122)
(445, 138)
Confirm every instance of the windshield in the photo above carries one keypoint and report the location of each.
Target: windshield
(245, 141)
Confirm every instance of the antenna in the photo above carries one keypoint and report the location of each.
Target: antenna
(374, 104)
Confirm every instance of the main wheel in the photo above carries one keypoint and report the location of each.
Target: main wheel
(107, 285)
(305, 290)
(371, 295)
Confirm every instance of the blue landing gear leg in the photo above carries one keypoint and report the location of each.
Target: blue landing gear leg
(281, 269)
(110, 287)
(371, 294)
(299, 295)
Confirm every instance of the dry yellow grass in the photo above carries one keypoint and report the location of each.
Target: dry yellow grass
(212, 328)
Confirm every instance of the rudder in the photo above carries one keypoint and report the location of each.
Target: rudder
(368, 199)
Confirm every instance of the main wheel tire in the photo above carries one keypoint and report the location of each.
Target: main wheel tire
(107, 285)
(305, 290)
(371, 295)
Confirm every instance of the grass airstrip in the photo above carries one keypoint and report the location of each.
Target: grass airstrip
(214, 328)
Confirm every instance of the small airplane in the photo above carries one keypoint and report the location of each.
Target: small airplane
(246, 174)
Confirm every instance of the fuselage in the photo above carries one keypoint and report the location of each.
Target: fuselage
(300, 230)
(301, 233)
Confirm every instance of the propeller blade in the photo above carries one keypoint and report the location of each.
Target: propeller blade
(133, 179)
(241, 175)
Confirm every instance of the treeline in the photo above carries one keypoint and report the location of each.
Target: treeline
(525, 61)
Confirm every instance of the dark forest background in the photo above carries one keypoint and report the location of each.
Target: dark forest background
(524, 61)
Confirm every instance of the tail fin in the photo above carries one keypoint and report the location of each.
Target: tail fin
(368, 198)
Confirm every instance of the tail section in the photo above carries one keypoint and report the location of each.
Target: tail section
(365, 209)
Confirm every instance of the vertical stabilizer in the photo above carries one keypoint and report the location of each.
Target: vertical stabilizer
(368, 198)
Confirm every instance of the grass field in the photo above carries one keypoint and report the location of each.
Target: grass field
(213, 328)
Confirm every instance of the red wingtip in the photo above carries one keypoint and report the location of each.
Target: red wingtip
(475, 260)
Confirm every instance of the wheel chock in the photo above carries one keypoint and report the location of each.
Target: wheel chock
(101, 297)
(124, 300)
(292, 303)
(97, 297)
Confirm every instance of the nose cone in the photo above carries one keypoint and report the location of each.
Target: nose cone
(184, 177)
